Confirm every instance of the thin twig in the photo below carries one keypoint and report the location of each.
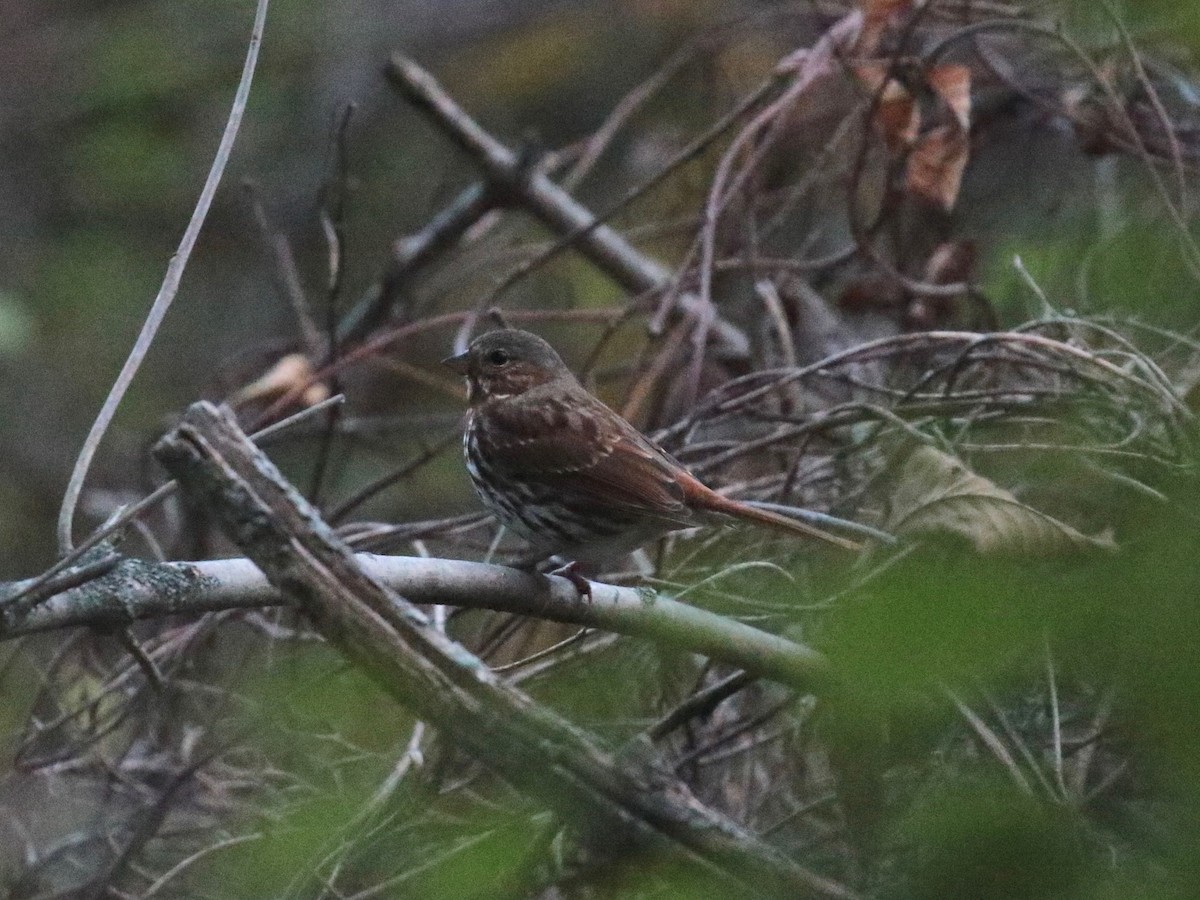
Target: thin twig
(287, 275)
(1056, 723)
(166, 293)
(158, 495)
(992, 741)
(162, 880)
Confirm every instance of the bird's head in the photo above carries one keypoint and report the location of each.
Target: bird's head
(505, 363)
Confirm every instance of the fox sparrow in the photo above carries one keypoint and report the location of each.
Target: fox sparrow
(568, 474)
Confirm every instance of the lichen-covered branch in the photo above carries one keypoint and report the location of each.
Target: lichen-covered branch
(135, 589)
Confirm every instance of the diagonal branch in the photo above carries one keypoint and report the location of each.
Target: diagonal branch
(550, 204)
(528, 745)
(410, 255)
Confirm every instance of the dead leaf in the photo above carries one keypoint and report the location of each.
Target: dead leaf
(868, 292)
(291, 372)
(897, 113)
(898, 116)
(871, 74)
(937, 494)
(936, 165)
(952, 82)
(877, 16)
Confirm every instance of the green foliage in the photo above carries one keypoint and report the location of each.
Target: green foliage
(944, 619)
(936, 617)
(1160, 23)
(492, 856)
(266, 867)
(1139, 268)
(137, 61)
(314, 691)
(977, 837)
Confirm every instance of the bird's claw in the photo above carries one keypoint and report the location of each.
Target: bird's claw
(571, 572)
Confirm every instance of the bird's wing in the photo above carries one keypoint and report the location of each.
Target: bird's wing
(577, 447)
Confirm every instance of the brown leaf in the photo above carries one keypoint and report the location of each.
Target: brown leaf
(877, 16)
(871, 73)
(897, 113)
(871, 292)
(291, 372)
(937, 494)
(898, 116)
(952, 82)
(936, 165)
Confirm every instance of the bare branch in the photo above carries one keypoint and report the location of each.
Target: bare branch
(544, 199)
(411, 254)
(166, 293)
(136, 589)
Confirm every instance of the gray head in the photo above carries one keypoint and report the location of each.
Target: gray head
(507, 362)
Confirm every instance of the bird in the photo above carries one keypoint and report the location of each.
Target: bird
(567, 473)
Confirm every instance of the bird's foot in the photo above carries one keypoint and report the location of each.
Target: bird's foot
(571, 572)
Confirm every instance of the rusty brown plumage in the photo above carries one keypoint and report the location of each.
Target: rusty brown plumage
(569, 474)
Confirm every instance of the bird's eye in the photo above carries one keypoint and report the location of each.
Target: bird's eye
(498, 357)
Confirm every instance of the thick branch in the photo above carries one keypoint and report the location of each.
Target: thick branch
(528, 745)
(136, 589)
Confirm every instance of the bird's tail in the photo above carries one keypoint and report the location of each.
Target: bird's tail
(710, 500)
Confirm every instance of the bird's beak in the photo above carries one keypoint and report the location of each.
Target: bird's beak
(457, 363)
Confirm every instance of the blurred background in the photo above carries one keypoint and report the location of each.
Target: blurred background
(110, 112)
(109, 116)
(942, 771)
